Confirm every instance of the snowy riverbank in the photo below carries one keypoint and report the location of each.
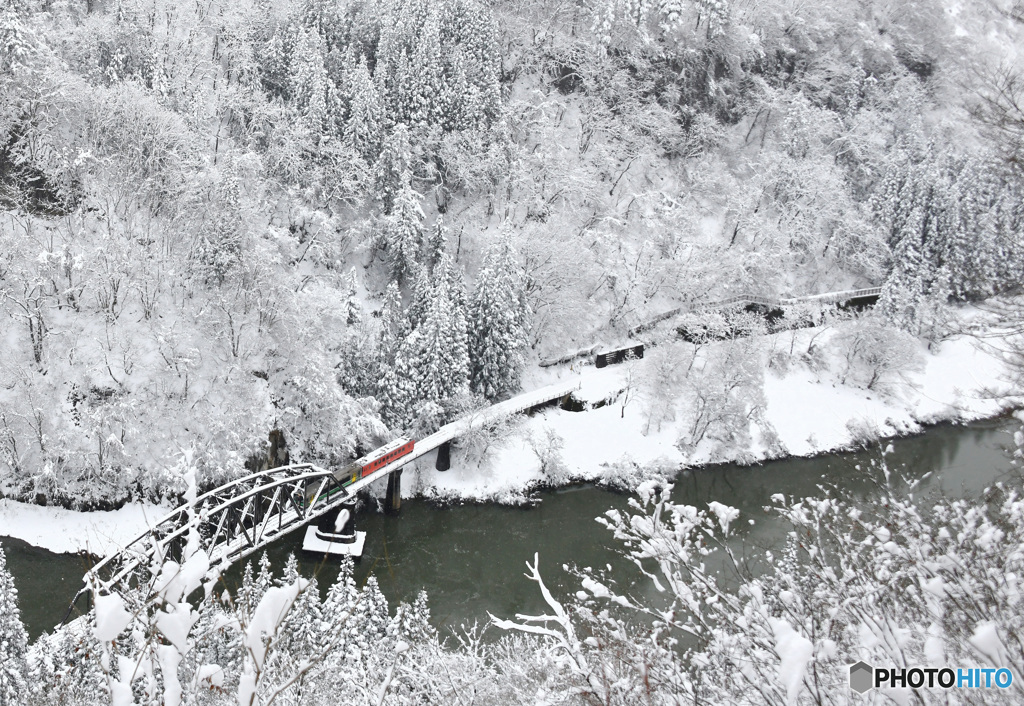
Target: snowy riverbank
(805, 411)
(68, 531)
(802, 410)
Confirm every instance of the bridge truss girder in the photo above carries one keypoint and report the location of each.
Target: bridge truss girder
(232, 522)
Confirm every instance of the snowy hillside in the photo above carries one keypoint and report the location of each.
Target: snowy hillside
(346, 221)
(238, 234)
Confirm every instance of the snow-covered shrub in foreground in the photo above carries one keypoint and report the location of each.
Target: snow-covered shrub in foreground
(275, 642)
(13, 640)
(908, 584)
(897, 582)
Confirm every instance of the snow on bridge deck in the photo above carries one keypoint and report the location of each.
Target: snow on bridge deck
(245, 514)
(825, 298)
(745, 299)
(475, 420)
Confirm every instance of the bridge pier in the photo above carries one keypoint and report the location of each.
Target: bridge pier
(444, 457)
(393, 501)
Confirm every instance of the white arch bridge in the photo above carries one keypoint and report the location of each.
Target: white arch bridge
(246, 514)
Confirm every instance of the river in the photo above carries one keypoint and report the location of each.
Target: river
(470, 558)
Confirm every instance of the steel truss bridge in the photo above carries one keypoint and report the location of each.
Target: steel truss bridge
(232, 521)
(241, 517)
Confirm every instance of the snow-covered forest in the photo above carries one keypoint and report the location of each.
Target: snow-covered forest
(344, 220)
(225, 224)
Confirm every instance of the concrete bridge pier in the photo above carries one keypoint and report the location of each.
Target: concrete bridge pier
(444, 457)
(393, 501)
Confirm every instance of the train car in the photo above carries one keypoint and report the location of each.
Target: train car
(373, 462)
(367, 465)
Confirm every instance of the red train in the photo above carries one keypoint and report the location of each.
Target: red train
(365, 466)
(373, 462)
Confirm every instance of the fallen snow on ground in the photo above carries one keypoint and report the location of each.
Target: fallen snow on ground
(962, 379)
(68, 531)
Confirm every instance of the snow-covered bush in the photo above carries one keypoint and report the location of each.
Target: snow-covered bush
(626, 475)
(473, 448)
(547, 445)
(874, 356)
(726, 394)
(661, 380)
(863, 432)
(904, 583)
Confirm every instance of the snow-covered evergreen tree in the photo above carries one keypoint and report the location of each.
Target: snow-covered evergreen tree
(393, 168)
(396, 384)
(970, 240)
(402, 232)
(449, 277)
(246, 599)
(412, 621)
(312, 90)
(498, 325)
(436, 65)
(218, 249)
(394, 325)
(1007, 218)
(437, 362)
(373, 621)
(264, 580)
(439, 341)
(353, 309)
(422, 294)
(219, 649)
(328, 19)
(341, 603)
(472, 73)
(424, 81)
(273, 56)
(904, 288)
(427, 344)
(300, 632)
(948, 209)
(66, 669)
(436, 244)
(363, 128)
(13, 641)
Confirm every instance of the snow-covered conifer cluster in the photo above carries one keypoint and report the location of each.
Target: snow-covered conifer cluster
(13, 641)
(345, 220)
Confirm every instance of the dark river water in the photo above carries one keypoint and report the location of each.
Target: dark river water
(470, 558)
